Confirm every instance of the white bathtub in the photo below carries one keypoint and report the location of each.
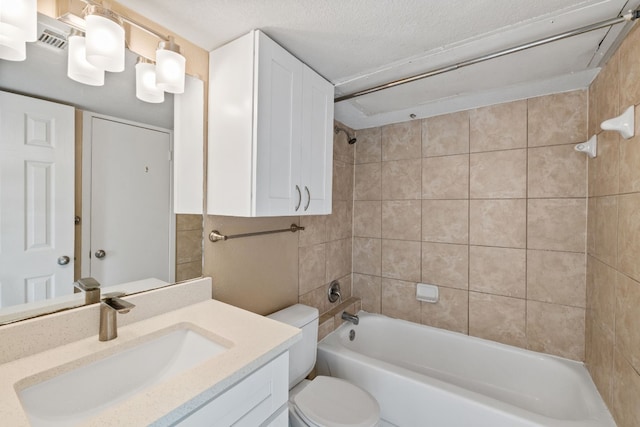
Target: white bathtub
(424, 376)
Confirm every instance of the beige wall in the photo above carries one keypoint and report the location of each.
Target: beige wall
(266, 273)
(488, 204)
(613, 262)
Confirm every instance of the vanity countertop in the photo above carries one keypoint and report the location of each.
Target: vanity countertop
(253, 341)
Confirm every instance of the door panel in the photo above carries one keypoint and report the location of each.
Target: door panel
(36, 199)
(278, 130)
(317, 144)
(131, 215)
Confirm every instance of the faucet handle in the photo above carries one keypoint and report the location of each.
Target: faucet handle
(112, 299)
(87, 284)
(91, 288)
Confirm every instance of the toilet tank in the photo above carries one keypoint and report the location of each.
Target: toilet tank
(302, 355)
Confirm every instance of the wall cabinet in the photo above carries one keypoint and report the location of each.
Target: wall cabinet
(270, 140)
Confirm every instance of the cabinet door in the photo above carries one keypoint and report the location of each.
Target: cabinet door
(250, 402)
(279, 119)
(316, 144)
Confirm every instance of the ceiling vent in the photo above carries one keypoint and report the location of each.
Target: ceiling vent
(52, 33)
(53, 39)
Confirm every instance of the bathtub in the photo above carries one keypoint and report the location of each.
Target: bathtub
(424, 376)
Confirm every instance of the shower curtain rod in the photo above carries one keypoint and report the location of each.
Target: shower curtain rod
(629, 17)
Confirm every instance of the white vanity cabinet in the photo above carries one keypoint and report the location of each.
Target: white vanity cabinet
(260, 399)
(270, 141)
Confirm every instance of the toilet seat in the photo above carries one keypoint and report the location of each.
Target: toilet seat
(333, 402)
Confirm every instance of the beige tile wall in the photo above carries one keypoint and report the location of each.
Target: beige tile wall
(325, 247)
(188, 247)
(613, 244)
(490, 205)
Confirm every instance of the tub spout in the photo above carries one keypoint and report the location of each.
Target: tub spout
(353, 318)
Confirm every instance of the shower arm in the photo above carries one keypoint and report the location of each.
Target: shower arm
(350, 140)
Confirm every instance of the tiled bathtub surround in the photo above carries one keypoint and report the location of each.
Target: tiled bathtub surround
(488, 204)
(613, 244)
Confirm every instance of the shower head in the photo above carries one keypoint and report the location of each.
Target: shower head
(351, 140)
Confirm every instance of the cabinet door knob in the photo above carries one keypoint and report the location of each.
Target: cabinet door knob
(299, 198)
(308, 197)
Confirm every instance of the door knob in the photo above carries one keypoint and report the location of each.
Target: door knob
(64, 260)
(100, 254)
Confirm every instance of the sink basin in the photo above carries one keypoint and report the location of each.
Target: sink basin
(85, 391)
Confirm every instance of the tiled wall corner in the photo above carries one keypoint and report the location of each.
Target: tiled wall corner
(613, 236)
(488, 204)
(325, 247)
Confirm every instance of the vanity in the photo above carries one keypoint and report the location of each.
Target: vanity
(202, 362)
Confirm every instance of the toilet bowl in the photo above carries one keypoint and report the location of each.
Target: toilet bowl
(323, 401)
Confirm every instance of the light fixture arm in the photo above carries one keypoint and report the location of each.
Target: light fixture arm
(136, 24)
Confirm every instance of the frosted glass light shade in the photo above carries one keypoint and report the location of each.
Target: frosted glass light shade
(22, 14)
(78, 68)
(146, 89)
(12, 44)
(105, 43)
(170, 68)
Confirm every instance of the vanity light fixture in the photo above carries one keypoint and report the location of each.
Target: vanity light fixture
(18, 25)
(146, 87)
(78, 68)
(104, 38)
(22, 14)
(101, 49)
(170, 67)
(12, 45)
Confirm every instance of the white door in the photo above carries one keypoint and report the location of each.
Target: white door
(36, 199)
(131, 216)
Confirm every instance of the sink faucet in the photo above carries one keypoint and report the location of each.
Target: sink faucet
(91, 289)
(353, 318)
(109, 308)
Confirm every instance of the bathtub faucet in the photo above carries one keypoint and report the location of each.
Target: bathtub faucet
(353, 318)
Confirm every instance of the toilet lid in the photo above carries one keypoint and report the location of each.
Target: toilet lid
(333, 402)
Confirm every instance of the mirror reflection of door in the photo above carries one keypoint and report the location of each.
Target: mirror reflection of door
(130, 222)
(36, 206)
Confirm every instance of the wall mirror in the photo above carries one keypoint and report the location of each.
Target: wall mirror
(118, 187)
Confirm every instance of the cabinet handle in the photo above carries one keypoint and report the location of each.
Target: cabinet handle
(299, 198)
(308, 197)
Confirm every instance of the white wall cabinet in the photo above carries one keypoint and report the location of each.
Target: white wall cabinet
(270, 132)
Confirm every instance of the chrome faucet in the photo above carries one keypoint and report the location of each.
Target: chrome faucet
(353, 318)
(91, 289)
(109, 308)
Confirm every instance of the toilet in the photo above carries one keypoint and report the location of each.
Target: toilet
(323, 401)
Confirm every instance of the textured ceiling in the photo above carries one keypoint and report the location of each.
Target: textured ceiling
(359, 43)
